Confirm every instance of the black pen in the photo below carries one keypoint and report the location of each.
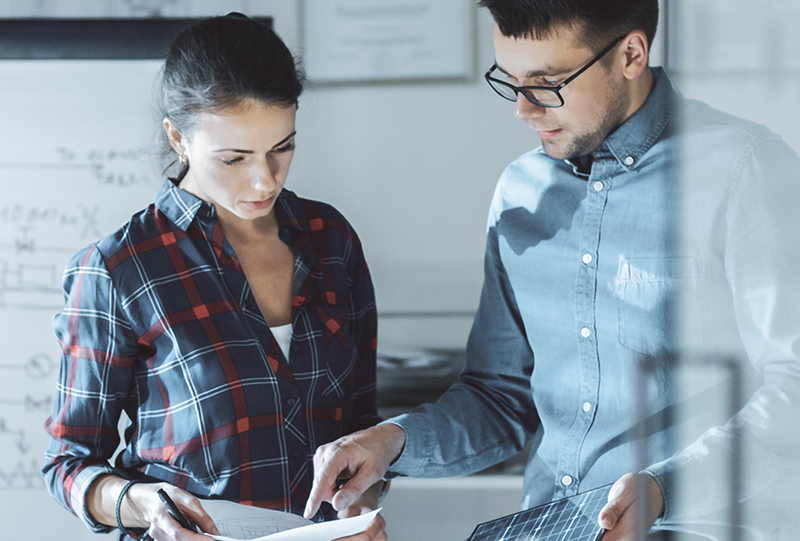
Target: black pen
(174, 511)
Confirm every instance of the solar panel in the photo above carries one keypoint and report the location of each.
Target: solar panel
(570, 519)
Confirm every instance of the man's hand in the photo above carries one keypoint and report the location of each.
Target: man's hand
(363, 457)
(632, 494)
(375, 532)
(365, 504)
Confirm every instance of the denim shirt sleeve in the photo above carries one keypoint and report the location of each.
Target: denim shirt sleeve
(761, 257)
(489, 413)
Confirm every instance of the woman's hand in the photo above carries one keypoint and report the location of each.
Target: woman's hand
(368, 502)
(147, 507)
(142, 508)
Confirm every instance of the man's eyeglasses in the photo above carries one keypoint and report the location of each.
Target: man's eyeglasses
(543, 96)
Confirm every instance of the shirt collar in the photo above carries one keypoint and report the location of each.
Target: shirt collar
(182, 207)
(628, 143)
(291, 213)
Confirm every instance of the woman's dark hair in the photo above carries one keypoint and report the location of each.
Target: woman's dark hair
(599, 21)
(220, 63)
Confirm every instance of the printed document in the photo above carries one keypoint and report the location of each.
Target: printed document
(237, 522)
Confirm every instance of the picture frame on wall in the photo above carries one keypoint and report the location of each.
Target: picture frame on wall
(351, 41)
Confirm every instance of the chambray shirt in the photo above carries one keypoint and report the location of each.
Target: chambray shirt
(160, 324)
(618, 310)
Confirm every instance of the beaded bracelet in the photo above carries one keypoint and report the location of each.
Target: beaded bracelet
(122, 493)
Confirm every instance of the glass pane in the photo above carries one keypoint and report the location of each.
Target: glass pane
(503, 90)
(545, 97)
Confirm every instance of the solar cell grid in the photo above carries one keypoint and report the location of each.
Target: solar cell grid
(570, 519)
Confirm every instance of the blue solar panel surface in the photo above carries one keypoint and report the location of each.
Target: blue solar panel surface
(570, 519)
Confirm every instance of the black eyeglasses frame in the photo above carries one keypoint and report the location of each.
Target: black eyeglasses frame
(526, 90)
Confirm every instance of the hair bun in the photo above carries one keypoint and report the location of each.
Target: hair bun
(237, 15)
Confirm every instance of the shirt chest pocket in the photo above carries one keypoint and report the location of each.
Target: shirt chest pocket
(660, 303)
(338, 352)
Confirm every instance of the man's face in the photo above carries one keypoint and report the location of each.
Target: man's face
(595, 103)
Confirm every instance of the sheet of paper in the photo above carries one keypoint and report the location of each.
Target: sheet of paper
(243, 522)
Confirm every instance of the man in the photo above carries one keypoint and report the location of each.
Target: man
(640, 274)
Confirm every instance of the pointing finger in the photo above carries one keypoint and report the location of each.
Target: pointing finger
(326, 471)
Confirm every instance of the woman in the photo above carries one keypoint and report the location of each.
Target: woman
(233, 322)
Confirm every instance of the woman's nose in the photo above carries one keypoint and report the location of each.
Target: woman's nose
(261, 177)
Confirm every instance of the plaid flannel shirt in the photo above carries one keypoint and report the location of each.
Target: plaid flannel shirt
(160, 323)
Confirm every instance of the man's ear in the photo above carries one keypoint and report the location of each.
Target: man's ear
(174, 136)
(636, 53)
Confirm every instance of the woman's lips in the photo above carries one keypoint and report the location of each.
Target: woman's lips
(260, 205)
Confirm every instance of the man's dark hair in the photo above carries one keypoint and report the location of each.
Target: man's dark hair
(598, 21)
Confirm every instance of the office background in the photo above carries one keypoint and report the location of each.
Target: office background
(411, 162)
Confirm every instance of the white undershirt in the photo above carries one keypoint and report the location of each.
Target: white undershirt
(283, 334)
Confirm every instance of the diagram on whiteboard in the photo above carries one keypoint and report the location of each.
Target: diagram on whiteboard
(74, 175)
(38, 233)
(76, 197)
(16, 439)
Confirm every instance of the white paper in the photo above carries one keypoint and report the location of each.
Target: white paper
(238, 522)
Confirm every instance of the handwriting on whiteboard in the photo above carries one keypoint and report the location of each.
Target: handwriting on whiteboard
(52, 204)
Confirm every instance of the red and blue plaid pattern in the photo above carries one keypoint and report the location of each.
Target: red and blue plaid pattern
(160, 323)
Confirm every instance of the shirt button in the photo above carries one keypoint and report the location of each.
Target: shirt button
(566, 480)
(598, 186)
(587, 258)
(296, 453)
(291, 401)
(586, 332)
(295, 348)
(629, 160)
(586, 407)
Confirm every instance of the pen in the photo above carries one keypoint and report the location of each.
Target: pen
(174, 511)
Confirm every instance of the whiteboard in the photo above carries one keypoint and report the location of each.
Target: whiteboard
(76, 149)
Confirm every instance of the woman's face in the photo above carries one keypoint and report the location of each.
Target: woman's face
(238, 158)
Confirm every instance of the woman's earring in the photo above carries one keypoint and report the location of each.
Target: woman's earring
(183, 159)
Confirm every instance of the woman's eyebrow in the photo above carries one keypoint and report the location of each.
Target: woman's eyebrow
(282, 141)
(240, 151)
